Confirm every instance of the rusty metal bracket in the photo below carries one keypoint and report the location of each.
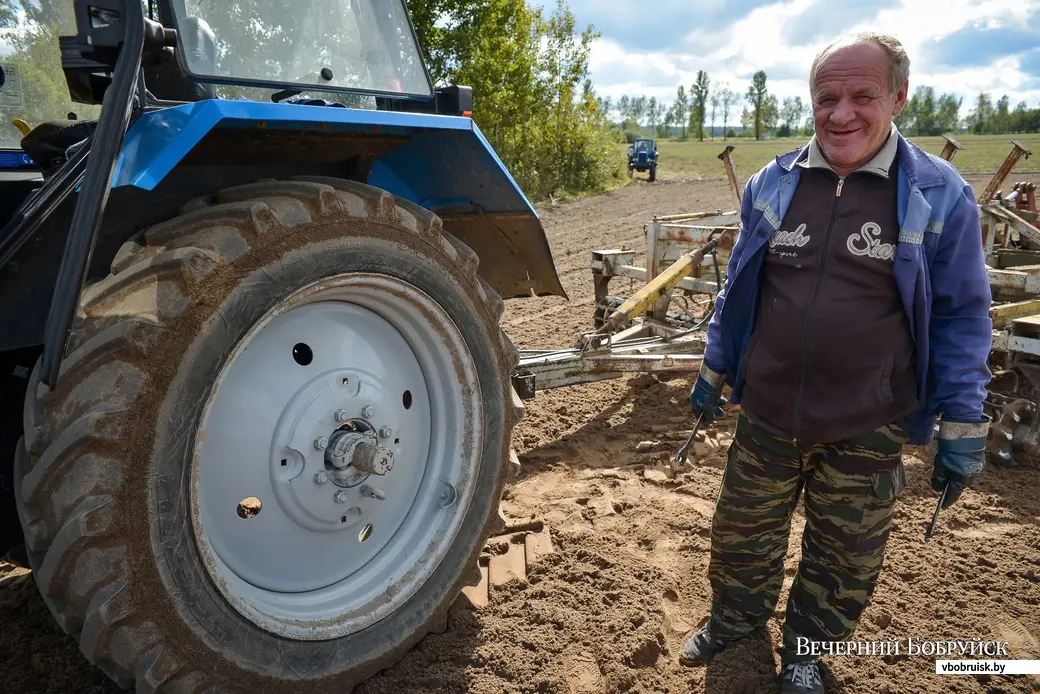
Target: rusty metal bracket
(731, 171)
(1017, 152)
(950, 149)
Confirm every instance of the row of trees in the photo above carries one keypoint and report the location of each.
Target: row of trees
(695, 112)
(529, 72)
(925, 113)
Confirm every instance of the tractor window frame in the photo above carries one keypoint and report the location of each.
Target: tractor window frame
(178, 9)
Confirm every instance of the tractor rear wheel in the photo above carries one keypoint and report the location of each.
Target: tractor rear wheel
(277, 444)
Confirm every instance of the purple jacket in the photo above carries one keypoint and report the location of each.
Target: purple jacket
(940, 270)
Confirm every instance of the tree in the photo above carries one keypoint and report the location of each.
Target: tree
(639, 104)
(747, 120)
(682, 105)
(809, 128)
(947, 114)
(1002, 116)
(924, 110)
(530, 79)
(624, 108)
(653, 113)
(770, 113)
(980, 119)
(791, 113)
(669, 121)
(726, 99)
(714, 108)
(700, 101)
(1019, 118)
(758, 100)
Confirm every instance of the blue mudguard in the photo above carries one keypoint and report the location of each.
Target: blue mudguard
(442, 163)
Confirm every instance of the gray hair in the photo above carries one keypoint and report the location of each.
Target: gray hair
(899, 61)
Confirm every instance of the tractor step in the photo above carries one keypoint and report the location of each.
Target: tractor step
(505, 558)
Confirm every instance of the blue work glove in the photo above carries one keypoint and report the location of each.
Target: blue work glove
(705, 398)
(960, 457)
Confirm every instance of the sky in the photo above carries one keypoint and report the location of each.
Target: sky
(961, 46)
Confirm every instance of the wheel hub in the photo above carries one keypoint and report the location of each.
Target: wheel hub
(352, 446)
(324, 452)
(357, 449)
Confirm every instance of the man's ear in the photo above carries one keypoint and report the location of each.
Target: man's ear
(901, 95)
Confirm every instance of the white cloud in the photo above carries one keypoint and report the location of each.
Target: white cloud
(753, 42)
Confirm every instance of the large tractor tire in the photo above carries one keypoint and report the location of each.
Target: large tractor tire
(276, 447)
(653, 173)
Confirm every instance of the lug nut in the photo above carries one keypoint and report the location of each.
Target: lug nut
(386, 432)
(340, 497)
(342, 416)
(321, 477)
(321, 443)
(368, 411)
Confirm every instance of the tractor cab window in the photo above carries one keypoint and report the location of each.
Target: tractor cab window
(356, 45)
(641, 146)
(34, 88)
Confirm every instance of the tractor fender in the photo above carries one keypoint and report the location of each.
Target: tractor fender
(442, 163)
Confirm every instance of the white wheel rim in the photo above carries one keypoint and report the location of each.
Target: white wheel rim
(321, 559)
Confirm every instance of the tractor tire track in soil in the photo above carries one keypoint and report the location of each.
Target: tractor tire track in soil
(608, 610)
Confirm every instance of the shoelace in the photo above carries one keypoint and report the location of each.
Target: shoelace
(704, 637)
(805, 674)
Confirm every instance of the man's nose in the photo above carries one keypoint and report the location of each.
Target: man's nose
(843, 113)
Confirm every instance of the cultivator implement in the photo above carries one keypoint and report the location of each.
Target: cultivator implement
(660, 328)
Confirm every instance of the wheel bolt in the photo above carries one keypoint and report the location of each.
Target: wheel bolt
(342, 416)
(321, 443)
(386, 432)
(340, 497)
(321, 477)
(368, 411)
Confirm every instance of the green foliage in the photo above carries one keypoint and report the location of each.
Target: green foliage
(758, 97)
(699, 92)
(531, 94)
(682, 107)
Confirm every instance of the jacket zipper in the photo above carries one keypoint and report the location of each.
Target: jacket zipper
(812, 307)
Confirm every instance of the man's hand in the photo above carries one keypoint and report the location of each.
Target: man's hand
(706, 394)
(960, 458)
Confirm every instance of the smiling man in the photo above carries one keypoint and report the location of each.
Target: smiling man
(855, 315)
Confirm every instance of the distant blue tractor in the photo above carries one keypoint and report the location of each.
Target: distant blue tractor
(256, 395)
(643, 157)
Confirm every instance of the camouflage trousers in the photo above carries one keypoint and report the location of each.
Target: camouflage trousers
(850, 490)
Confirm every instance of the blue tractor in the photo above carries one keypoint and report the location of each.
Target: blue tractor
(642, 157)
(257, 404)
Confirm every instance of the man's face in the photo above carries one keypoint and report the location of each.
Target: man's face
(852, 106)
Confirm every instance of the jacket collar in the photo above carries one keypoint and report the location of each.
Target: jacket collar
(918, 167)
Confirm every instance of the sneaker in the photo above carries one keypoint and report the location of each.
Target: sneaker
(701, 647)
(802, 678)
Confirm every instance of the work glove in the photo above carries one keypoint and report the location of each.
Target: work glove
(960, 457)
(706, 395)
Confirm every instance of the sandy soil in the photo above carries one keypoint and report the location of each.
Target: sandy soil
(609, 609)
